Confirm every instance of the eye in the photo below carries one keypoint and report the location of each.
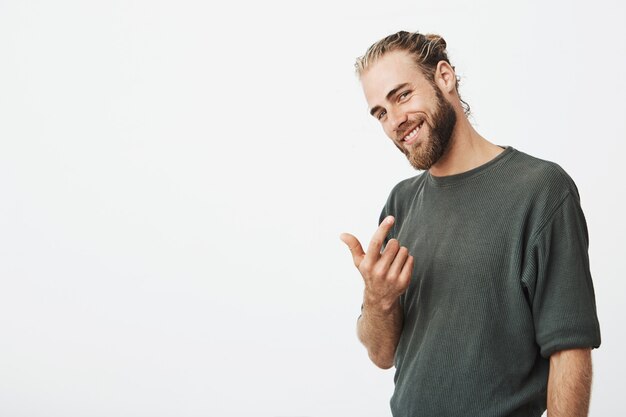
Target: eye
(404, 95)
(381, 114)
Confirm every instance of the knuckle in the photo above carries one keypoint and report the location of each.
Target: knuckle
(379, 271)
(393, 275)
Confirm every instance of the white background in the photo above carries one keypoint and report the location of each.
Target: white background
(174, 176)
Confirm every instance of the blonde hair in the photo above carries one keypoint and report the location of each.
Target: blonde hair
(426, 49)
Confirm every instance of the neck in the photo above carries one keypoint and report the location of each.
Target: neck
(467, 150)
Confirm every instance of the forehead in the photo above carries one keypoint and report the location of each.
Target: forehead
(390, 70)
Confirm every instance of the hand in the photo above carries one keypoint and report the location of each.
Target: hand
(386, 275)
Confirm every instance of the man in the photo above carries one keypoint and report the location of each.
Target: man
(477, 282)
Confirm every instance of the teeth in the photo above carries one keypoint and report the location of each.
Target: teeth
(412, 134)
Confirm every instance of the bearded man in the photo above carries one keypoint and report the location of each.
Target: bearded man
(477, 281)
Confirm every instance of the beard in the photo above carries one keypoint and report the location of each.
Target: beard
(422, 155)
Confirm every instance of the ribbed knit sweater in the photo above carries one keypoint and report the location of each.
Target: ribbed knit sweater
(501, 281)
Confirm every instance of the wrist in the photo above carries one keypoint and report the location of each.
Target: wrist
(378, 305)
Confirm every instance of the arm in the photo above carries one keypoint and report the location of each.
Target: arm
(386, 275)
(379, 331)
(569, 383)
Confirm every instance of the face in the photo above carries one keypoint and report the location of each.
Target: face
(414, 113)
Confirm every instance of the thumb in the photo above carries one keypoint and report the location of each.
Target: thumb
(355, 247)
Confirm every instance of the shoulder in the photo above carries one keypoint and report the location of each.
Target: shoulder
(541, 177)
(542, 191)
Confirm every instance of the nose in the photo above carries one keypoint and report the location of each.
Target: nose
(396, 118)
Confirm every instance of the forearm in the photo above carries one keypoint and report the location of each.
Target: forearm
(379, 330)
(569, 383)
(386, 275)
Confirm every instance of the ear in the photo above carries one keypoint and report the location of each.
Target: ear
(445, 77)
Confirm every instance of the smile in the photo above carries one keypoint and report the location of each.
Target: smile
(412, 135)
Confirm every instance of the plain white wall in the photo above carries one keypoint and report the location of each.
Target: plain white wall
(174, 176)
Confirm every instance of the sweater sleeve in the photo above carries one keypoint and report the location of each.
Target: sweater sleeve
(558, 282)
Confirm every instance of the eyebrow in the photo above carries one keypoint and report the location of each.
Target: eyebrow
(390, 94)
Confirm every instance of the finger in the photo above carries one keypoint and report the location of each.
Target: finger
(355, 247)
(395, 269)
(407, 271)
(373, 250)
(388, 255)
